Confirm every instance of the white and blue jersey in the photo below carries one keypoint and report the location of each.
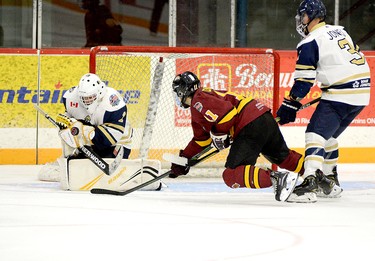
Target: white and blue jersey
(109, 119)
(329, 56)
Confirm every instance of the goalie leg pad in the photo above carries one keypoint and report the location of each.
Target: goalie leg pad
(83, 175)
(248, 176)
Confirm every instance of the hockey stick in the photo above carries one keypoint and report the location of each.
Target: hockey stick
(191, 162)
(304, 106)
(108, 169)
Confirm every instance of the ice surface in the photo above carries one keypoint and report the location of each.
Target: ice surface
(192, 219)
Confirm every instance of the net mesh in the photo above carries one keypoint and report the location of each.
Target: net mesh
(145, 79)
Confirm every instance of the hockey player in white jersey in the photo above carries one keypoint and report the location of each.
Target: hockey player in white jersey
(327, 54)
(99, 114)
(103, 114)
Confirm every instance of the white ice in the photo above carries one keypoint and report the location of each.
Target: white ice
(193, 220)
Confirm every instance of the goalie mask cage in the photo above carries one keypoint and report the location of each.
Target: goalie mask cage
(144, 76)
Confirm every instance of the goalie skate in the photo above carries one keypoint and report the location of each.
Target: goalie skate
(283, 184)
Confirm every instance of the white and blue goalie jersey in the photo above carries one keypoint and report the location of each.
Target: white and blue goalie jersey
(329, 56)
(109, 119)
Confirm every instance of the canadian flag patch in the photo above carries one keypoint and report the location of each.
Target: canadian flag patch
(74, 104)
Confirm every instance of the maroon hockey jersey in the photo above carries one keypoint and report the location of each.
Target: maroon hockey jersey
(219, 112)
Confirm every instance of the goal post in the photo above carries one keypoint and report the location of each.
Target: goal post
(144, 76)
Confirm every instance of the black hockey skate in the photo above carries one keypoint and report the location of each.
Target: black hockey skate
(329, 186)
(306, 191)
(334, 176)
(283, 184)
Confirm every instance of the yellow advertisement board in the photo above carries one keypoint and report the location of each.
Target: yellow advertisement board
(20, 85)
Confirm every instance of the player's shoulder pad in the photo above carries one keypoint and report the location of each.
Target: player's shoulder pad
(112, 100)
(203, 93)
(306, 40)
(202, 99)
(70, 93)
(330, 27)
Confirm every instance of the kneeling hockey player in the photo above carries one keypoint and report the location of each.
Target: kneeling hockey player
(247, 126)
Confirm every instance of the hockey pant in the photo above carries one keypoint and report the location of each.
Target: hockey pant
(260, 136)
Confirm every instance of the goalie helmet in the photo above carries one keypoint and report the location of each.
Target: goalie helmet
(313, 9)
(91, 91)
(185, 85)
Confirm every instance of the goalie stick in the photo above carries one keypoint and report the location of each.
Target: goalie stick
(191, 162)
(304, 106)
(108, 169)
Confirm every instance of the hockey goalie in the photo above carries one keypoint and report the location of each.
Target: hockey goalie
(96, 142)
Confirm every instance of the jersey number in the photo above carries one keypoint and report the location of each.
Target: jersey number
(123, 117)
(344, 44)
(210, 116)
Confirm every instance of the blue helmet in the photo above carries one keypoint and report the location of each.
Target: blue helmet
(313, 9)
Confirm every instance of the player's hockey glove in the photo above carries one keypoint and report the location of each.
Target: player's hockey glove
(288, 111)
(220, 140)
(178, 170)
(74, 133)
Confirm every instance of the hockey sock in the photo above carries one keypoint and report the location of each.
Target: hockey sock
(247, 176)
(294, 162)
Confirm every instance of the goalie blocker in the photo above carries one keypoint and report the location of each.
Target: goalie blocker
(82, 175)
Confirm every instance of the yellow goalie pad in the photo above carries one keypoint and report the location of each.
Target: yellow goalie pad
(83, 175)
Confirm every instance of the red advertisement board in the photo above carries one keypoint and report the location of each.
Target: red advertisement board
(288, 59)
(250, 76)
(255, 79)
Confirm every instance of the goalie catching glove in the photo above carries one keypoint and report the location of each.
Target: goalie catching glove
(220, 140)
(74, 133)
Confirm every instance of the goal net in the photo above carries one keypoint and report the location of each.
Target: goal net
(144, 76)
